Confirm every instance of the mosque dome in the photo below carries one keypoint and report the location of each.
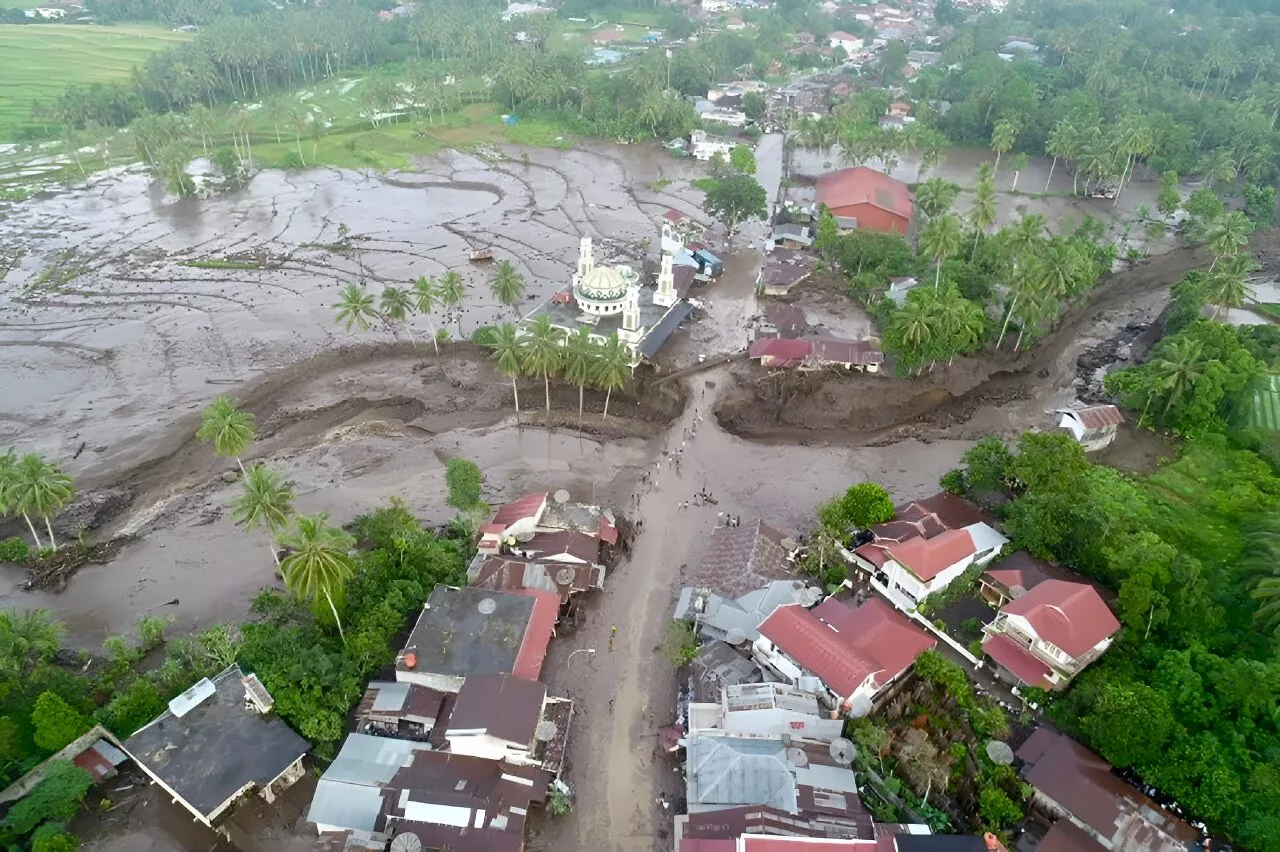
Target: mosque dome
(602, 284)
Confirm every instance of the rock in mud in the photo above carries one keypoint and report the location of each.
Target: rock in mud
(230, 476)
(92, 509)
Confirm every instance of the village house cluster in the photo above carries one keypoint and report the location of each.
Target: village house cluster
(782, 666)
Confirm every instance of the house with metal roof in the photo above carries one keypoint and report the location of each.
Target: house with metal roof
(737, 620)
(1048, 635)
(855, 652)
(765, 710)
(501, 717)
(878, 201)
(468, 631)
(1093, 427)
(217, 742)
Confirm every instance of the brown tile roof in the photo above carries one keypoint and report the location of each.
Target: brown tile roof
(1066, 836)
(561, 543)
(519, 509)
(817, 648)
(743, 558)
(537, 635)
(953, 511)
(878, 631)
(929, 557)
(862, 185)
(1085, 785)
(502, 706)
(1100, 416)
(781, 352)
(506, 573)
(1019, 569)
(1072, 616)
(834, 350)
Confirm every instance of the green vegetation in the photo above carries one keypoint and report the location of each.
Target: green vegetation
(221, 263)
(736, 198)
(1186, 695)
(31, 487)
(37, 63)
(863, 505)
(680, 645)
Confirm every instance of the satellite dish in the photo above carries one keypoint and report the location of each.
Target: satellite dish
(406, 841)
(796, 757)
(736, 636)
(546, 731)
(797, 585)
(1000, 753)
(859, 707)
(523, 537)
(790, 544)
(841, 751)
(561, 496)
(808, 597)
(487, 606)
(1017, 592)
(564, 576)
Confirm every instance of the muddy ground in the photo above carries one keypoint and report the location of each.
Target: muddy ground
(111, 346)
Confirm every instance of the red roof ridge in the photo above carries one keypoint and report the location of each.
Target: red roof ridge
(537, 633)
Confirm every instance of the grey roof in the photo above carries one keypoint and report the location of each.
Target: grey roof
(217, 747)
(720, 615)
(718, 665)
(349, 794)
(454, 637)
(665, 327)
(390, 696)
(726, 771)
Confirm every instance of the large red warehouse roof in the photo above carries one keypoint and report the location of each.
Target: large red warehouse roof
(861, 185)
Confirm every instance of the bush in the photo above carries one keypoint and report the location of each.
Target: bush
(483, 336)
(14, 550)
(56, 722)
(151, 630)
(558, 802)
(680, 646)
(55, 799)
(52, 838)
(464, 480)
(997, 809)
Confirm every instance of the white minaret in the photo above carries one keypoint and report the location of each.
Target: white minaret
(585, 260)
(666, 295)
(631, 331)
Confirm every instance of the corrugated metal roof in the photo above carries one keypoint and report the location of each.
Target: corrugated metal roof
(666, 326)
(350, 806)
(371, 761)
(390, 696)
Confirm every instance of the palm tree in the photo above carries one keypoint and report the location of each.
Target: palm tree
(542, 352)
(507, 285)
(613, 369)
(355, 307)
(319, 561)
(935, 196)
(506, 347)
(914, 324)
(396, 307)
(1020, 162)
(452, 289)
(1267, 594)
(939, 240)
(1002, 137)
(1227, 234)
(1028, 275)
(1062, 143)
(229, 429)
(1179, 368)
(1228, 284)
(580, 356)
(265, 501)
(38, 488)
(959, 321)
(1024, 235)
(425, 295)
(982, 215)
(1062, 265)
(28, 636)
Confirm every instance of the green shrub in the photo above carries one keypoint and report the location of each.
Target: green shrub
(55, 799)
(680, 646)
(483, 336)
(14, 549)
(56, 722)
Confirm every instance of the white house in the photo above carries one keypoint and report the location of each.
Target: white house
(765, 710)
(715, 6)
(704, 146)
(851, 43)
(919, 566)
(1048, 635)
(853, 653)
(1093, 427)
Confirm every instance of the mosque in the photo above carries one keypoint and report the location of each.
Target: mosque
(610, 300)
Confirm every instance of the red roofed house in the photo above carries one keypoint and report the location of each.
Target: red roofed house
(815, 353)
(851, 43)
(877, 201)
(1048, 635)
(519, 517)
(854, 652)
(1093, 427)
(1012, 577)
(779, 352)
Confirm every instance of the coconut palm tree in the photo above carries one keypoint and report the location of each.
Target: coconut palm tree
(1019, 164)
(543, 353)
(1228, 284)
(355, 307)
(1062, 266)
(940, 239)
(507, 285)
(452, 289)
(1027, 277)
(319, 561)
(28, 636)
(1267, 594)
(397, 306)
(1023, 236)
(1002, 138)
(1227, 234)
(264, 500)
(505, 346)
(982, 215)
(425, 295)
(1061, 144)
(613, 369)
(959, 321)
(580, 356)
(935, 196)
(1179, 369)
(39, 488)
(228, 428)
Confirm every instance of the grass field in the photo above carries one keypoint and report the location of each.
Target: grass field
(38, 61)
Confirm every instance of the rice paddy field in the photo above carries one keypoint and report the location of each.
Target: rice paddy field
(38, 61)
